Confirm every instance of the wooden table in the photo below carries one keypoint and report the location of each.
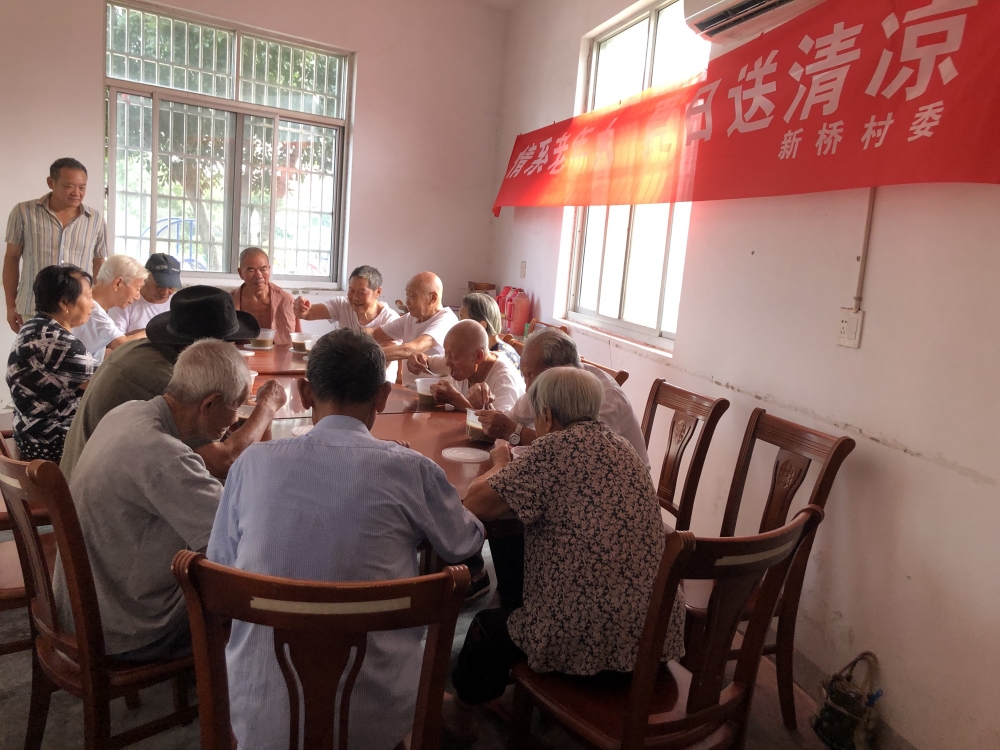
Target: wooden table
(278, 360)
(427, 432)
(401, 400)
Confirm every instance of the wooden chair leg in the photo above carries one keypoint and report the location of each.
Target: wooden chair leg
(38, 710)
(96, 722)
(132, 700)
(519, 729)
(783, 663)
(181, 686)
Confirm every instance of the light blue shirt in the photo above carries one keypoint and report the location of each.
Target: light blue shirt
(334, 505)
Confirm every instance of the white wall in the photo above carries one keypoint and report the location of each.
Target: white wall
(905, 562)
(426, 108)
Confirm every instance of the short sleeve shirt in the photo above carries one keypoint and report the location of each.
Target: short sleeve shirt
(283, 319)
(407, 328)
(45, 370)
(135, 317)
(98, 332)
(344, 316)
(505, 382)
(135, 516)
(593, 539)
(46, 242)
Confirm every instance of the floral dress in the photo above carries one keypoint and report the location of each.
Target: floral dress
(45, 370)
(593, 540)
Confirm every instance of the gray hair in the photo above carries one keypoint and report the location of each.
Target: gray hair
(570, 394)
(125, 266)
(369, 274)
(206, 367)
(247, 252)
(558, 349)
(483, 309)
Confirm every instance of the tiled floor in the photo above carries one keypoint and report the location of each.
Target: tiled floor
(65, 725)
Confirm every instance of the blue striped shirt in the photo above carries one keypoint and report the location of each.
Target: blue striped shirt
(334, 505)
(44, 241)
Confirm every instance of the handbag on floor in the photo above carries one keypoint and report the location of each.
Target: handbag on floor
(847, 719)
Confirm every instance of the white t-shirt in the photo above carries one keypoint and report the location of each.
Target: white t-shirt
(406, 329)
(138, 314)
(98, 332)
(616, 413)
(504, 380)
(344, 316)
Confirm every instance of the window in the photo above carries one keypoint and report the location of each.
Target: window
(220, 140)
(630, 259)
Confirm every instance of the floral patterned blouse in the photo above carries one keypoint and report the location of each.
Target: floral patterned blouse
(593, 540)
(45, 370)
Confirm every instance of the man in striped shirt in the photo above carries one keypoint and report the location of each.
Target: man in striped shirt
(53, 230)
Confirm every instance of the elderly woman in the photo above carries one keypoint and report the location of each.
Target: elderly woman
(483, 309)
(49, 366)
(593, 539)
(361, 308)
(117, 285)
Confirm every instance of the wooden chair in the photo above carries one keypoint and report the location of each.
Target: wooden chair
(690, 409)
(664, 705)
(517, 345)
(535, 324)
(12, 593)
(8, 449)
(797, 446)
(317, 625)
(76, 663)
(619, 376)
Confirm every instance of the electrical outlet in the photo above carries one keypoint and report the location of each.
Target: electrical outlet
(849, 327)
(524, 266)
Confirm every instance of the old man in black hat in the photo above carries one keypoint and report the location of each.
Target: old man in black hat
(140, 371)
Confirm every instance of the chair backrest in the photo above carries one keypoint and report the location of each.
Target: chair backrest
(689, 409)
(798, 446)
(5, 447)
(320, 633)
(619, 376)
(517, 345)
(737, 565)
(40, 483)
(535, 324)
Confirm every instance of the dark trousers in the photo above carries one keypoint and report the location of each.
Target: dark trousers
(487, 656)
(174, 645)
(506, 539)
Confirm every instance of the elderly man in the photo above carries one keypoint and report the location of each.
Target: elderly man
(271, 305)
(53, 230)
(422, 329)
(547, 348)
(353, 508)
(136, 514)
(142, 369)
(116, 286)
(154, 296)
(479, 377)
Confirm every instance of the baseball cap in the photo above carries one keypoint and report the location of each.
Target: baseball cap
(166, 270)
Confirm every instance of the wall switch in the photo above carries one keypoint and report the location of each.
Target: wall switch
(849, 327)
(524, 266)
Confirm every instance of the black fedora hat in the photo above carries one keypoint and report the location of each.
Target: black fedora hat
(201, 312)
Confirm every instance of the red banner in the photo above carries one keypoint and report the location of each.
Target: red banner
(853, 93)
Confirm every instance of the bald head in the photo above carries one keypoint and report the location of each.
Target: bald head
(423, 295)
(467, 335)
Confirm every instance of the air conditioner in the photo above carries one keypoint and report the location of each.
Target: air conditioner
(726, 21)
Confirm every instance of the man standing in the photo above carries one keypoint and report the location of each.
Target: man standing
(54, 230)
(271, 305)
(143, 495)
(352, 508)
(422, 329)
(480, 378)
(154, 296)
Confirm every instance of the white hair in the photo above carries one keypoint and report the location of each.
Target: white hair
(570, 394)
(125, 266)
(206, 367)
(557, 349)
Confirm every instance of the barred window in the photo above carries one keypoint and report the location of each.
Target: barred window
(220, 140)
(630, 259)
